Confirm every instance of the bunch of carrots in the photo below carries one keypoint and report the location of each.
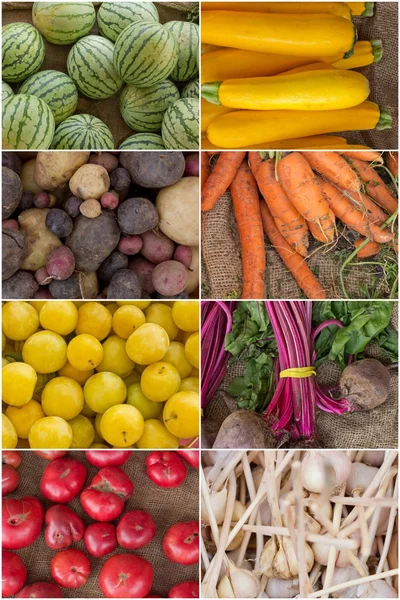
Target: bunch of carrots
(302, 193)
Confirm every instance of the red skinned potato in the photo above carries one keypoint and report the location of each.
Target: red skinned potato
(51, 454)
(100, 539)
(192, 457)
(165, 469)
(9, 480)
(22, 522)
(104, 499)
(170, 278)
(143, 268)
(157, 247)
(108, 458)
(41, 589)
(187, 589)
(70, 568)
(63, 527)
(13, 574)
(63, 479)
(192, 164)
(135, 529)
(11, 457)
(181, 543)
(130, 244)
(126, 576)
(183, 254)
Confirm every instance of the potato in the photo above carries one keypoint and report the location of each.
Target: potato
(60, 264)
(113, 263)
(193, 272)
(156, 247)
(130, 244)
(14, 248)
(126, 285)
(137, 215)
(20, 286)
(120, 181)
(89, 181)
(244, 429)
(79, 285)
(54, 169)
(12, 161)
(178, 208)
(92, 240)
(28, 183)
(143, 268)
(154, 169)
(40, 241)
(59, 223)
(105, 159)
(170, 278)
(11, 190)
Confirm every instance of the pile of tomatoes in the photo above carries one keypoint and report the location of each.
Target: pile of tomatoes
(122, 575)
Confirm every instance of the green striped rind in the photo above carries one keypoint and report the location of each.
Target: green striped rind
(180, 127)
(83, 132)
(143, 141)
(143, 108)
(191, 90)
(56, 89)
(6, 91)
(28, 123)
(63, 23)
(114, 17)
(22, 51)
(145, 53)
(90, 65)
(187, 35)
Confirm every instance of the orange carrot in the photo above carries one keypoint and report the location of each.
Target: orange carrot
(205, 168)
(380, 235)
(392, 162)
(374, 185)
(366, 205)
(246, 206)
(286, 216)
(369, 249)
(315, 230)
(301, 186)
(221, 178)
(367, 155)
(295, 263)
(334, 168)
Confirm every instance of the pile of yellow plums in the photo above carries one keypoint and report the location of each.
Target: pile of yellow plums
(100, 374)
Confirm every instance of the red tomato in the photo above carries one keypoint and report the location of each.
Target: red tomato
(51, 454)
(70, 568)
(22, 521)
(108, 458)
(187, 589)
(9, 480)
(13, 573)
(126, 576)
(63, 527)
(42, 589)
(192, 457)
(63, 479)
(165, 469)
(181, 543)
(100, 539)
(11, 457)
(104, 499)
(135, 529)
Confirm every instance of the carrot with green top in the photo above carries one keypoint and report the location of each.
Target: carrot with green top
(374, 185)
(220, 179)
(332, 166)
(287, 218)
(295, 263)
(246, 206)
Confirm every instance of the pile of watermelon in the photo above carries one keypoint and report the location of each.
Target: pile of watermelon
(152, 66)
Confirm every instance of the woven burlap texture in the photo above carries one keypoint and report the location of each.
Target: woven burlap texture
(56, 58)
(166, 506)
(376, 428)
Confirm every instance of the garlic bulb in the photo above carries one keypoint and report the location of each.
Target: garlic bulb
(218, 504)
(278, 558)
(320, 469)
(321, 552)
(311, 525)
(342, 576)
(360, 477)
(373, 458)
(324, 507)
(376, 589)
(238, 583)
(282, 588)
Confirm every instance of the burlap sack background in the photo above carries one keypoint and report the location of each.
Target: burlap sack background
(56, 58)
(166, 506)
(377, 428)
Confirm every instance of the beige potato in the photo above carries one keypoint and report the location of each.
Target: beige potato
(178, 207)
(39, 240)
(54, 169)
(193, 277)
(89, 181)
(27, 177)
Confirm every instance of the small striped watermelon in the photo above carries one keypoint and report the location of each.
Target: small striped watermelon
(90, 65)
(180, 126)
(191, 90)
(143, 108)
(63, 23)
(114, 17)
(22, 51)
(6, 91)
(145, 53)
(28, 123)
(143, 141)
(187, 35)
(83, 132)
(56, 89)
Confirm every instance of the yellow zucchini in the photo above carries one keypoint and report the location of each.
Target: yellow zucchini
(318, 66)
(244, 128)
(341, 9)
(211, 111)
(207, 48)
(365, 53)
(361, 9)
(309, 90)
(313, 141)
(298, 35)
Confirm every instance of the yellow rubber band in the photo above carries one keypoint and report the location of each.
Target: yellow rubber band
(298, 372)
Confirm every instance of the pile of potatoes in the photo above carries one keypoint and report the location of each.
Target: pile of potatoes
(82, 225)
